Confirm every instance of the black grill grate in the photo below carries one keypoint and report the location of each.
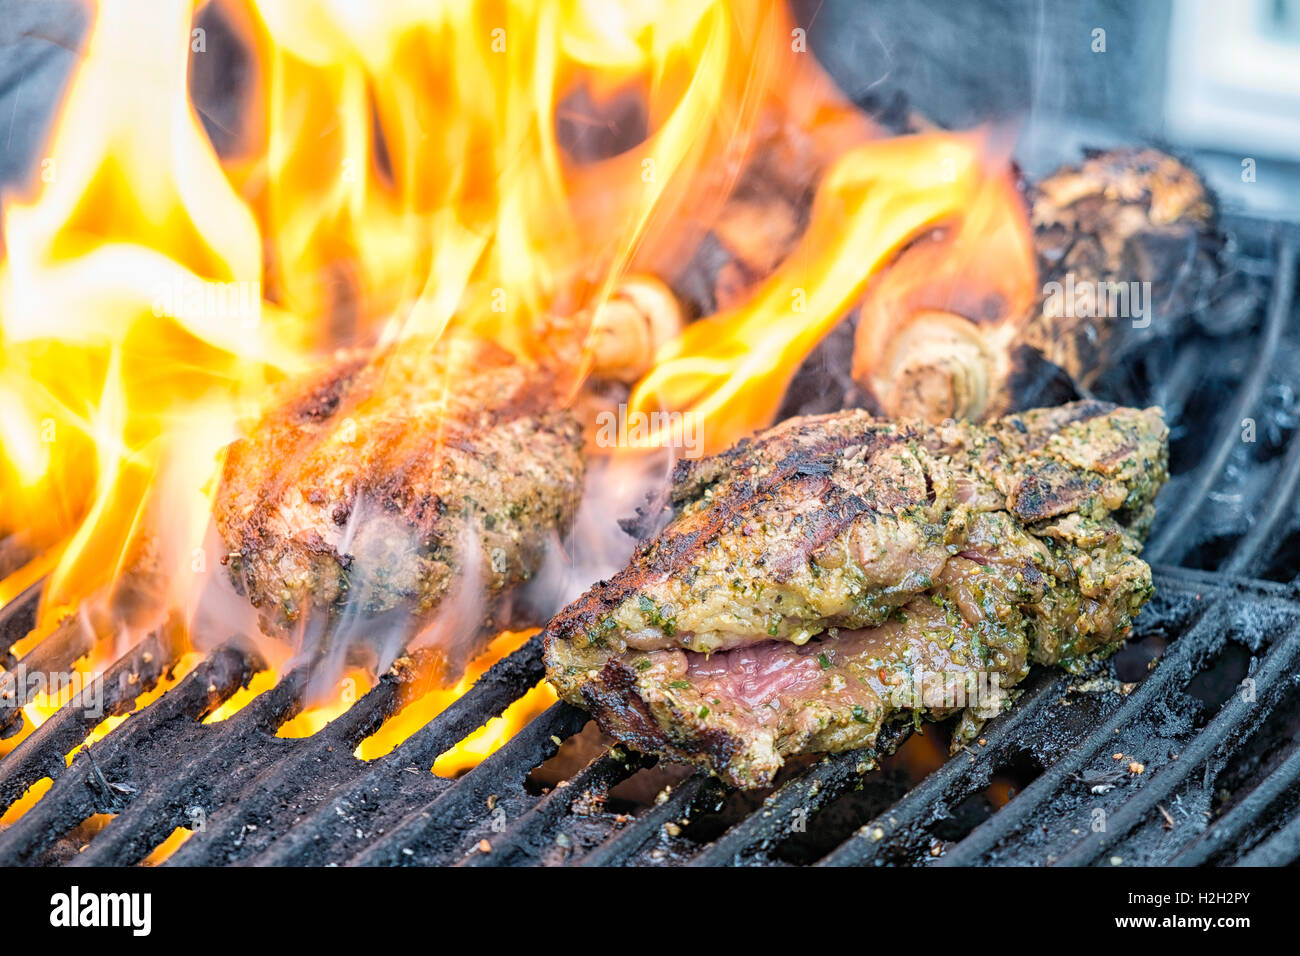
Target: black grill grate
(1213, 721)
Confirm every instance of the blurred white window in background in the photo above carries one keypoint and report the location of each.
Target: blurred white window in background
(1234, 76)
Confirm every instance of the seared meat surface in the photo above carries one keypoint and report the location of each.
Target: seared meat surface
(393, 483)
(812, 572)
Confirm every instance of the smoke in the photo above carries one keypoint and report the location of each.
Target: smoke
(218, 614)
(368, 630)
(459, 626)
(374, 625)
(596, 546)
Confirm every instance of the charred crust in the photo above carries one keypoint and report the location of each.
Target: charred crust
(612, 699)
(809, 481)
(1049, 492)
(318, 403)
(1086, 411)
(675, 549)
(821, 528)
(1109, 462)
(288, 488)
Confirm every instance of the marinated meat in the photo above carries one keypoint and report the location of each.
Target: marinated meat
(810, 573)
(382, 484)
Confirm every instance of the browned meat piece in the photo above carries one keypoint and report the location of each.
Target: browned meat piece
(391, 484)
(1126, 235)
(1119, 219)
(740, 712)
(866, 548)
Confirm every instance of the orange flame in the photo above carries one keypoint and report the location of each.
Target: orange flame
(729, 372)
(119, 390)
(401, 168)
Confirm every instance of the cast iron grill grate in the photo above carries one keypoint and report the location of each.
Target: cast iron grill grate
(1212, 721)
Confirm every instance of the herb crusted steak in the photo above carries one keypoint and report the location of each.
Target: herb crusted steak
(383, 483)
(837, 572)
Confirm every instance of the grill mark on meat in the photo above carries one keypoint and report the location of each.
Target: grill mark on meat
(674, 549)
(612, 692)
(322, 401)
(673, 553)
(841, 510)
(1050, 492)
(1016, 525)
(1058, 418)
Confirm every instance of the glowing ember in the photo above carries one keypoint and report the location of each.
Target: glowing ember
(482, 742)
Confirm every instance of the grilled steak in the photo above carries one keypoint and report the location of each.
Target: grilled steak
(837, 571)
(381, 485)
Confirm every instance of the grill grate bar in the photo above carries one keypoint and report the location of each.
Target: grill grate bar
(62, 648)
(1205, 637)
(1170, 540)
(268, 772)
(1173, 389)
(332, 824)
(536, 830)
(42, 754)
(810, 791)
(86, 786)
(432, 833)
(951, 783)
(1281, 849)
(17, 618)
(1232, 828)
(15, 552)
(1275, 676)
(646, 828)
(1254, 551)
(227, 752)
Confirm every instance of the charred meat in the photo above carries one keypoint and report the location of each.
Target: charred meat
(837, 572)
(384, 484)
(1121, 220)
(1126, 235)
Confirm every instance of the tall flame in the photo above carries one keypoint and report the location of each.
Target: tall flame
(120, 381)
(730, 370)
(399, 168)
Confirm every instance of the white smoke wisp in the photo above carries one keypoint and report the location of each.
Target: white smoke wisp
(596, 546)
(459, 627)
(218, 614)
(384, 553)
